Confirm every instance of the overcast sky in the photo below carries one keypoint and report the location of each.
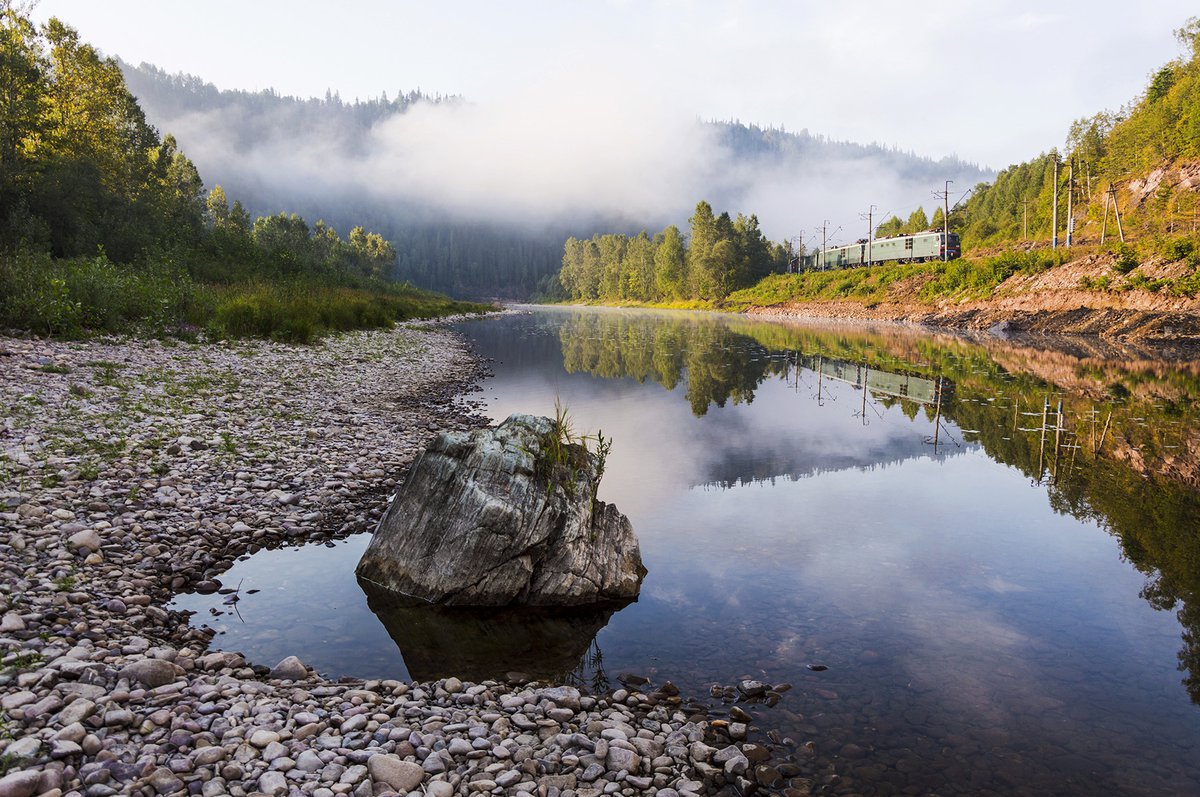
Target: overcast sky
(993, 81)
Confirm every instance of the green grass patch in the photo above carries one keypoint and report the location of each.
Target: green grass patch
(80, 296)
(966, 278)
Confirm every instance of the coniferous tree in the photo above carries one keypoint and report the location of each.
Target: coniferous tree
(670, 264)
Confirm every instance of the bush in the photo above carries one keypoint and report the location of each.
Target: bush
(67, 297)
(1127, 259)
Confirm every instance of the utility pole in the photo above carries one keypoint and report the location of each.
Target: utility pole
(1070, 198)
(1104, 225)
(1054, 214)
(1117, 212)
(946, 223)
(869, 216)
(945, 197)
(1025, 233)
(824, 241)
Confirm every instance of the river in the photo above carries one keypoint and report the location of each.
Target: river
(977, 563)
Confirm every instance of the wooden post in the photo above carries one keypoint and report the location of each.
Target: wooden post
(1117, 213)
(1070, 201)
(1104, 226)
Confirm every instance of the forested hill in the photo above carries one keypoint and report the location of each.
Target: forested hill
(314, 157)
(1148, 152)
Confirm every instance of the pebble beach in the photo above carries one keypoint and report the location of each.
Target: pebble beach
(135, 469)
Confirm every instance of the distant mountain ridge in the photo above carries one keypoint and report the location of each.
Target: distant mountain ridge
(314, 157)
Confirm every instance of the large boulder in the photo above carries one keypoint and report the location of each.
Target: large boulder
(504, 515)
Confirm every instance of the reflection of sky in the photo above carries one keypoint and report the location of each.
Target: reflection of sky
(784, 432)
(945, 595)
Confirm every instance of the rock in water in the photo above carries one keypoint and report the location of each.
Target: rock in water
(487, 518)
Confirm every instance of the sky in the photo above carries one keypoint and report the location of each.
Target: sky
(994, 82)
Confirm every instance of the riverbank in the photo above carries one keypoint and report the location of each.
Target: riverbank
(1143, 298)
(1086, 295)
(136, 469)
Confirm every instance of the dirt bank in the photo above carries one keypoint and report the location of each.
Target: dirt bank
(1049, 302)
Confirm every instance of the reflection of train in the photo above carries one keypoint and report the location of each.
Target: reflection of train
(900, 249)
(896, 383)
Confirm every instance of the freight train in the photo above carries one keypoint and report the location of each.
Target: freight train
(917, 248)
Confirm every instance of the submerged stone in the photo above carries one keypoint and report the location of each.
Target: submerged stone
(503, 516)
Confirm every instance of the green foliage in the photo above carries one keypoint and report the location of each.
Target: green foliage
(1101, 283)
(299, 312)
(106, 228)
(962, 278)
(1126, 258)
(1174, 249)
(722, 255)
(563, 453)
(1140, 281)
(1165, 123)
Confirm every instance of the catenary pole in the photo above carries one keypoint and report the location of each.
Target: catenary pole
(946, 223)
(1054, 213)
(1070, 203)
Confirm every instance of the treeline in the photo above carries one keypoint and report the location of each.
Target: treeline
(917, 222)
(1159, 128)
(106, 225)
(720, 255)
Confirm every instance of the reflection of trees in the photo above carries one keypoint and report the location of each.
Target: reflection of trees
(719, 364)
(1140, 479)
(589, 674)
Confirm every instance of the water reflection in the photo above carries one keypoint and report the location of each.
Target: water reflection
(1110, 430)
(482, 644)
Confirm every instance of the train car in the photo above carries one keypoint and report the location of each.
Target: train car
(915, 248)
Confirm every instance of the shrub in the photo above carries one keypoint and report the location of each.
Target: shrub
(1127, 259)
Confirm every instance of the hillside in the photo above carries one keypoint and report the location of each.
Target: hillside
(1128, 182)
(1147, 152)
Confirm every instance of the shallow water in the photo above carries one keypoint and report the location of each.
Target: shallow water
(1003, 591)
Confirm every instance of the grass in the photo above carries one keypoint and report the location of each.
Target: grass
(77, 297)
(564, 453)
(301, 313)
(973, 278)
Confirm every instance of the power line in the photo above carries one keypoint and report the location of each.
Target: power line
(868, 217)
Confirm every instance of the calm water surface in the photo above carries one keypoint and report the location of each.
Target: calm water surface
(994, 549)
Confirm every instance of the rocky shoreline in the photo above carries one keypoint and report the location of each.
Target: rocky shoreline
(1123, 324)
(132, 470)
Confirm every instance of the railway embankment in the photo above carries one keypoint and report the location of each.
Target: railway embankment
(1083, 296)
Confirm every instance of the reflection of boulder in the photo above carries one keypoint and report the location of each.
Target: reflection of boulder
(476, 644)
(505, 515)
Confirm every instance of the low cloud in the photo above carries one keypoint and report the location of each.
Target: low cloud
(560, 153)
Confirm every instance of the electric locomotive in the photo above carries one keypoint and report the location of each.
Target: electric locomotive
(916, 248)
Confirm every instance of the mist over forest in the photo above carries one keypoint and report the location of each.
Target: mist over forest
(478, 198)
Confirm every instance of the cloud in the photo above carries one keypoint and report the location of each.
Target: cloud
(568, 150)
